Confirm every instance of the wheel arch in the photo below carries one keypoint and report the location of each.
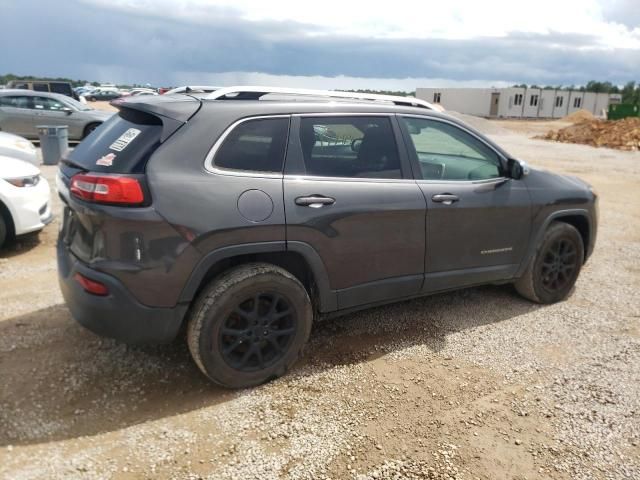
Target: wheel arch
(5, 213)
(578, 218)
(299, 259)
(85, 129)
(582, 224)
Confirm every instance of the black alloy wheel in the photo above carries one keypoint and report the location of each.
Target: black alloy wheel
(258, 332)
(559, 263)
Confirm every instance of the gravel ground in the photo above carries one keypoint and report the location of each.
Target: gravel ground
(475, 384)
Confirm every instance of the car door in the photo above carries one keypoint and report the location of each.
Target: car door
(478, 219)
(349, 194)
(16, 114)
(52, 111)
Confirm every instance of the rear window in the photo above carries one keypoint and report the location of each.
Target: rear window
(122, 144)
(255, 145)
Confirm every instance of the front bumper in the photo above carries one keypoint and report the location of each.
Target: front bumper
(31, 207)
(117, 315)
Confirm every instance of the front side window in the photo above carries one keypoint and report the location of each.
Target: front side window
(46, 103)
(255, 145)
(446, 152)
(349, 147)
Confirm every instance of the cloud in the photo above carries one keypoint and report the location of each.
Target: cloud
(624, 12)
(118, 42)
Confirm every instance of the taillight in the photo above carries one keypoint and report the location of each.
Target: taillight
(91, 286)
(99, 188)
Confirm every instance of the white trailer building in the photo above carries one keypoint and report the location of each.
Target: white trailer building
(518, 101)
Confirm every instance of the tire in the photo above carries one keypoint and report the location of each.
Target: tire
(3, 230)
(238, 336)
(555, 266)
(90, 128)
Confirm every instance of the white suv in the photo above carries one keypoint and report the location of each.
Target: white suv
(25, 199)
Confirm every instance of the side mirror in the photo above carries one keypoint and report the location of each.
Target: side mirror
(517, 168)
(67, 110)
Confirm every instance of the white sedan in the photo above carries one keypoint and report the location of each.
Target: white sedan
(25, 199)
(18, 147)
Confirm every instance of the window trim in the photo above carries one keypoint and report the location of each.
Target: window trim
(294, 163)
(417, 174)
(210, 167)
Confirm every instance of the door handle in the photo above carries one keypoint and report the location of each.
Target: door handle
(315, 201)
(446, 198)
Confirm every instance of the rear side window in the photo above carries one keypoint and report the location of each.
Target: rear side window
(122, 144)
(63, 88)
(350, 147)
(255, 145)
(41, 87)
(15, 102)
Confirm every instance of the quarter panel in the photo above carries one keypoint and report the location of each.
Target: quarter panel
(203, 205)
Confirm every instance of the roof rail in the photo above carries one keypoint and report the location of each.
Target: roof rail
(255, 92)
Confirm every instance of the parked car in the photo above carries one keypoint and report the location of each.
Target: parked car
(25, 203)
(103, 95)
(21, 111)
(63, 88)
(18, 147)
(192, 88)
(246, 220)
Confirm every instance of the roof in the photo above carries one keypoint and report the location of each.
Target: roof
(31, 93)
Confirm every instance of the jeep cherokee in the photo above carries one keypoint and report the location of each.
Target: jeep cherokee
(242, 216)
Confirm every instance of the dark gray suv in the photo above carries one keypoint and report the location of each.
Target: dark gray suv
(243, 216)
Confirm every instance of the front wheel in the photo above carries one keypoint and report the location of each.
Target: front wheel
(249, 325)
(554, 268)
(3, 230)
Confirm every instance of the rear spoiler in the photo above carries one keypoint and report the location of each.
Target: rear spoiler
(173, 112)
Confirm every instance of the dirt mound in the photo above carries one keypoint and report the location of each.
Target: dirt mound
(579, 116)
(620, 134)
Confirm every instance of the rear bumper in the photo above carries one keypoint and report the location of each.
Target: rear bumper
(117, 315)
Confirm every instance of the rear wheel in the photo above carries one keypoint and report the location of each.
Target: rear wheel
(554, 269)
(249, 325)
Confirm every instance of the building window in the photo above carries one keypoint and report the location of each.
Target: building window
(577, 102)
(533, 101)
(517, 100)
(559, 101)
(436, 97)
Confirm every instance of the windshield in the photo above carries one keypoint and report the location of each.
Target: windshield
(76, 104)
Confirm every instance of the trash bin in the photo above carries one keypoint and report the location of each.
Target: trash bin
(54, 142)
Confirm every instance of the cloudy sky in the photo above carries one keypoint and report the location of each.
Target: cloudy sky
(398, 44)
